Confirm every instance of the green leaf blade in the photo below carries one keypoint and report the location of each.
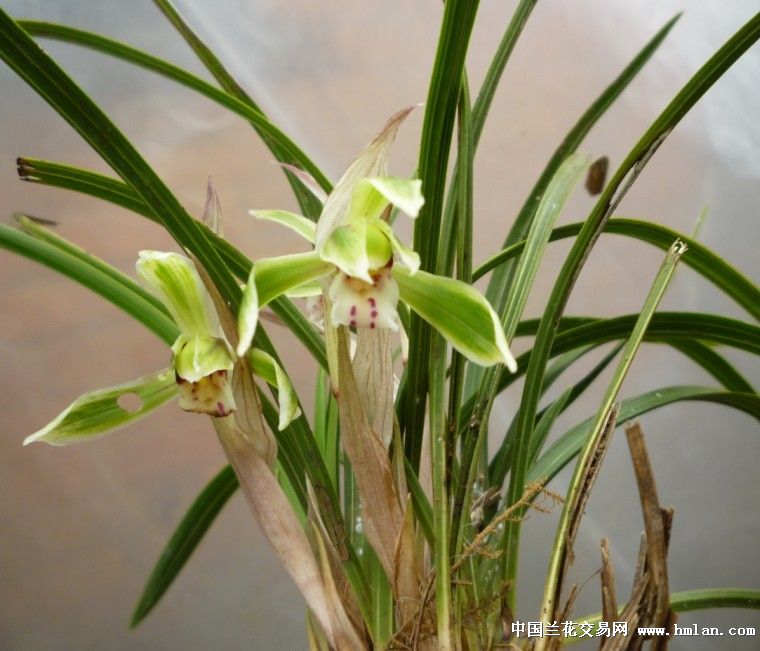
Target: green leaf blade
(184, 540)
(45, 77)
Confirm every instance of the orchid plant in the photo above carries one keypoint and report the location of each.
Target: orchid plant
(385, 505)
(364, 268)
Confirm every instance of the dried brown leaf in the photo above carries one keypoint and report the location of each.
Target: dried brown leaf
(369, 460)
(408, 574)
(373, 370)
(336, 558)
(609, 598)
(346, 637)
(276, 519)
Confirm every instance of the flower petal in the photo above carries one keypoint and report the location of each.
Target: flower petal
(202, 368)
(307, 290)
(99, 412)
(174, 280)
(405, 194)
(371, 162)
(404, 254)
(264, 365)
(366, 202)
(200, 356)
(248, 315)
(346, 248)
(460, 313)
(304, 227)
(365, 305)
(276, 276)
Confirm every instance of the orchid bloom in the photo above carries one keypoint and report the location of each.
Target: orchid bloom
(366, 269)
(203, 360)
(202, 364)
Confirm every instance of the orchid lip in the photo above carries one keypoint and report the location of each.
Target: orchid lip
(359, 304)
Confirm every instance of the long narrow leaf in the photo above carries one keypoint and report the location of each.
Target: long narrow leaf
(498, 63)
(213, 64)
(479, 112)
(700, 258)
(686, 601)
(279, 143)
(623, 179)
(669, 328)
(437, 128)
(551, 205)
(441, 508)
(562, 451)
(44, 76)
(608, 201)
(119, 193)
(185, 539)
(714, 363)
(107, 284)
(560, 549)
(502, 279)
(39, 232)
(501, 462)
(664, 326)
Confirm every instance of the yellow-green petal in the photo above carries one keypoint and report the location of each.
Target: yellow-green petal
(404, 254)
(405, 194)
(366, 202)
(248, 315)
(203, 367)
(200, 356)
(267, 368)
(99, 412)
(346, 248)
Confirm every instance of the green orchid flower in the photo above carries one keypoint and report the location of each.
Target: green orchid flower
(364, 269)
(200, 375)
(203, 360)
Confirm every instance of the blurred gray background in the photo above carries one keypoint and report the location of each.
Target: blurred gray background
(82, 526)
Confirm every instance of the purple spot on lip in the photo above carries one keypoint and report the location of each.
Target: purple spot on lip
(352, 323)
(220, 409)
(371, 301)
(372, 325)
(353, 310)
(373, 314)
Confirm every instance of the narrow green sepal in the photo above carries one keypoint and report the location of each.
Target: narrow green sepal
(304, 227)
(173, 279)
(99, 412)
(460, 313)
(276, 276)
